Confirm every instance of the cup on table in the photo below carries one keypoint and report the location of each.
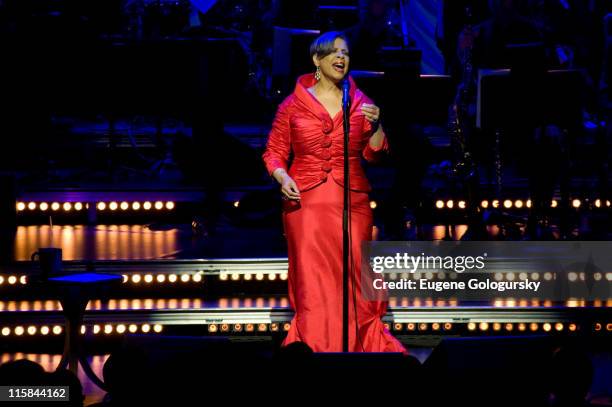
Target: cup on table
(50, 261)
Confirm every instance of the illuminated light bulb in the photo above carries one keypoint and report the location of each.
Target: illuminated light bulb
(249, 327)
(32, 206)
(498, 276)
(484, 326)
(83, 329)
(223, 276)
(160, 278)
(135, 206)
(507, 204)
(197, 278)
(572, 327)
(461, 204)
(373, 204)
(262, 327)
(236, 204)
(272, 277)
(450, 204)
(609, 276)
(124, 206)
(576, 203)
(495, 203)
(12, 280)
(521, 327)
(67, 206)
(147, 205)
(558, 327)
(121, 328)
(185, 278)
(248, 276)
(212, 328)
(274, 327)
(286, 326)
(170, 205)
(608, 327)
(518, 203)
(397, 326)
(596, 327)
(284, 276)
(108, 329)
(133, 328)
(148, 278)
(548, 276)
(19, 330)
(237, 328)
(172, 278)
(510, 276)
(448, 326)
(471, 326)
(554, 204)
(236, 276)
(101, 206)
(439, 204)
(509, 327)
(78, 206)
(484, 204)
(21, 206)
(23, 280)
(598, 203)
(159, 205)
(410, 326)
(528, 203)
(497, 326)
(533, 326)
(597, 276)
(96, 329)
(572, 276)
(1, 280)
(125, 278)
(522, 276)
(57, 330)
(31, 330)
(607, 203)
(435, 326)
(55, 206)
(136, 278)
(113, 206)
(145, 328)
(157, 328)
(259, 276)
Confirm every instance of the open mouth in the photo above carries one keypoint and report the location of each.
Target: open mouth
(339, 66)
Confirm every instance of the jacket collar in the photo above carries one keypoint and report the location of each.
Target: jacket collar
(301, 92)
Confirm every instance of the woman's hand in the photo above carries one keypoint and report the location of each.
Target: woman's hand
(289, 188)
(371, 113)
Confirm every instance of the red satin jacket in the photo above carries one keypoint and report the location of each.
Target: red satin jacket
(303, 126)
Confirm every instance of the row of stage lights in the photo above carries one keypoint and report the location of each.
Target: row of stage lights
(106, 329)
(100, 206)
(425, 327)
(508, 276)
(137, 278)
(518, 204)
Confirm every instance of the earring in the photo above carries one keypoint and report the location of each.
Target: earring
(317, 74)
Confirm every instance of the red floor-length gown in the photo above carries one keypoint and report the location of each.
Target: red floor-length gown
(313, 226)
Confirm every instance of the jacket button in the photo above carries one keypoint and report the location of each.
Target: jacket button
(326, 155)
(326, 167)
(327, 126)
(326, 142)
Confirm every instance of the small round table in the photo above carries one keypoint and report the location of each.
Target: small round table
(74, 292)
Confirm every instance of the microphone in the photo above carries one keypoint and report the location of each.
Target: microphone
(346, 99)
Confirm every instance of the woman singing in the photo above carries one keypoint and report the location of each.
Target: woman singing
(309, 124)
